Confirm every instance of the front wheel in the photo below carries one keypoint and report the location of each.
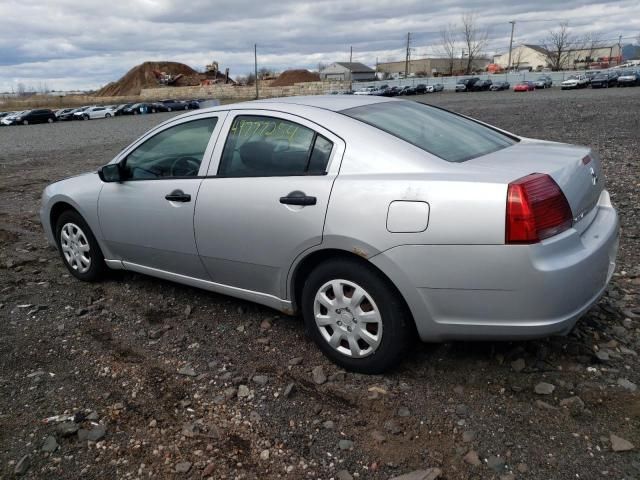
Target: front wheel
(50, 120)
(108, 115)
(355, 316)
(78, 247)
(25, 122)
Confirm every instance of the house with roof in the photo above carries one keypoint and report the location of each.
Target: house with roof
(349, 71)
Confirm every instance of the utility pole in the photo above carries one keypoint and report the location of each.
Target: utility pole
(513, 25)
(406, 60)
(619, 49)
(351, 54)
(255, 65)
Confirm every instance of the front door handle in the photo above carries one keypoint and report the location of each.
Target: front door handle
(298, 198)
(178, 196)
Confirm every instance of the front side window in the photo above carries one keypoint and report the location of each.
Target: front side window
(446, 135)
(174, 152)
(259, 146)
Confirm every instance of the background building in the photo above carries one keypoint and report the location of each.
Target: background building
(427, 67)
(535, 57)
(353, 71)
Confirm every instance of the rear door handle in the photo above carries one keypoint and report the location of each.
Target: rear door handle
(178, 196)
(298, 198)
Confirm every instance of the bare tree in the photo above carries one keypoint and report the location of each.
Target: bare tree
(474, 39)
(558, 45)
(516, 58)
(448, 45)
(322, 66)
(20, 89)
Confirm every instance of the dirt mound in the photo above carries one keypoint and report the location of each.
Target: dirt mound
(289, 77)
(142, 76)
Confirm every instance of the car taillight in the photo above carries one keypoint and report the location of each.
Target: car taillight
(536, 209)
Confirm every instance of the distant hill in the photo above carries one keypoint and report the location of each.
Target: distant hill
(631, 52)
(142, 76)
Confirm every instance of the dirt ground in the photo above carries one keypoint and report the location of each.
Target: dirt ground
(150, 379)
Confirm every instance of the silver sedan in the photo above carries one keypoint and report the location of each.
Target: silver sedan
(378, 220)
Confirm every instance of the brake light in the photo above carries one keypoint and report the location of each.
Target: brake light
(536, 209)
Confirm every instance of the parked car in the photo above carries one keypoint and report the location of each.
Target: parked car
(390, 92)
(499, 86)
(194, 104)
(482, 85)
(463, 232)
(604, 80)
(524, 86)
(9, 119)
(171, 105)
(140, 108)
(466, 84)
(79, 113)
(67, 114)
(92, 113)
(364, 91)
(407, 90)
(421, 88)
(63, 111)
(574, 81)
(119, 110)
(543, 81)
(629, 78)
(42, 115)
(436, 87)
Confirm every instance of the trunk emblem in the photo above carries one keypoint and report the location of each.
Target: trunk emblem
(594, 177)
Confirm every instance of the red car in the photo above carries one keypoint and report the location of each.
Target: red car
(525, 86)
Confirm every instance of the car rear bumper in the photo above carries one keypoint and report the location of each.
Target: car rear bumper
(467, 292)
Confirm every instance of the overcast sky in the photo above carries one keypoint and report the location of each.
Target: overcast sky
(69, 44)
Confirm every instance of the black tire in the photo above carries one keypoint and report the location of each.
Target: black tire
(397, 326)
(97, 267)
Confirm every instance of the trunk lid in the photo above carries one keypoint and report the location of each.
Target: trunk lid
(575, 169)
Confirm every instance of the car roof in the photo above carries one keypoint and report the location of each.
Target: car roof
(334, 103)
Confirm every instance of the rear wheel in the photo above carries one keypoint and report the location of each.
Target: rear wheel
(78, 247)
(355, 316)
(50, 120)
(168, 109)
(108, 115)
(25, 122)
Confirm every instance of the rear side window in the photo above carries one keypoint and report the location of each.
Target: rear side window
(446, 135)
(260, 146)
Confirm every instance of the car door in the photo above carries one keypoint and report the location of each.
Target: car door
(264, 200)
(147, 219)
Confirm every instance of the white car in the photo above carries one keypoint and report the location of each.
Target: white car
(9, 119)
(438, 87)
(574, 81)
(93, 113)
(365, 91)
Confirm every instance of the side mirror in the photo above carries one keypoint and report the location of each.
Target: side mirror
(110, 173)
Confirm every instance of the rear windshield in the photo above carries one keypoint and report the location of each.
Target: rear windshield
(446, 135)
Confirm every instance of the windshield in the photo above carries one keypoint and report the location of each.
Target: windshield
(446, 135)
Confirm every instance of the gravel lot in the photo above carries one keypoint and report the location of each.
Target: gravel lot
(165, 381)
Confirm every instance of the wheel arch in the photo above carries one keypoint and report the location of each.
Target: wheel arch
(315, 258)
(58, 209)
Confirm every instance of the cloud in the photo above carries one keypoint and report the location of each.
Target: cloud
(69, 44)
